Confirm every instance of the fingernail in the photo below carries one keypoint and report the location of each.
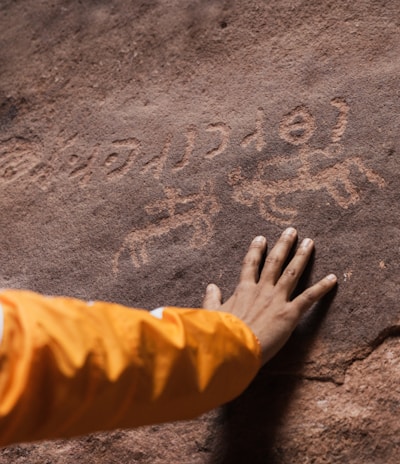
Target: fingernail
(210, 288)
(306, 243)
(259, 239)
(332, 277)
(289, 231)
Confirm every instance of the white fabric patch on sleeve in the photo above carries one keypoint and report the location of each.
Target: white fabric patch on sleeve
(158, 313)
(1, 323)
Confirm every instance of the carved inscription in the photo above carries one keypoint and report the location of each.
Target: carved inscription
(18, 157)
(194, 211)
(75, 160)
(81, 169)
(297, 128)
(224, 133)
(191, 135)
(118, 162)
(342, 119)
(270, 189)
(156, 165)
(258, 136)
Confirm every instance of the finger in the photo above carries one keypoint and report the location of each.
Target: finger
(213, 297)
(274, 261)
(252, 260)
(310, 296)
(291, 275)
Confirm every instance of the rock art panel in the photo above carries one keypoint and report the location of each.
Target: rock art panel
(127, 126)
(297, 128)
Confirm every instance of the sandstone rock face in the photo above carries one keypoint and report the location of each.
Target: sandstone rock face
(143, 145)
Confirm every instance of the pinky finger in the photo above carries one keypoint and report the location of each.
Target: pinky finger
(310, 296)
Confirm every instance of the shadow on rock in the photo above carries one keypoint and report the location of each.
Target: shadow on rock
(251, 423)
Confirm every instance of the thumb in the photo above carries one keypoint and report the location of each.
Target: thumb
(212, 298)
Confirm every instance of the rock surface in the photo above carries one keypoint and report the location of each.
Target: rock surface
(143, 144)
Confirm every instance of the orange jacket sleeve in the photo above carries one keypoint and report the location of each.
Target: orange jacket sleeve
(69, 368)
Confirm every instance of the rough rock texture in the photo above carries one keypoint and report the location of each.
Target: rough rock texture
(143, 144)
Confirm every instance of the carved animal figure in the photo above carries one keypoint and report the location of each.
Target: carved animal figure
(297, 128)
(194, 211)
(335, 180)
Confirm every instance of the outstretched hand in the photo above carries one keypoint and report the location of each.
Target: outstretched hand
(262, 300)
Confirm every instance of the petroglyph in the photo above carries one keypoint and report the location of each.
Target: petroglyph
(78, 160)
(42, 173)
(298, 126)
(17, 157)
(258, 136)
(194, 211)
(341, 124)
(224, 131)
(118, 163)
(157, 163)
(191, 134)
(266, 189)
(82, 169)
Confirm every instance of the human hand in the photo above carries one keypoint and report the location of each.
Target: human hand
(262, 299)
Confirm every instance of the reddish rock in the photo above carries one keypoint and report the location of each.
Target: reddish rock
(142, 146)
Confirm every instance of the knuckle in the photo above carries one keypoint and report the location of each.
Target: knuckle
(288, 314)
(302, 251)
(272, 259)
(250, 260)
(290, 272)
(308, 297)
(244, 287)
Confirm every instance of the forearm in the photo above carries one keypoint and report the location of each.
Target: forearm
(69, 369)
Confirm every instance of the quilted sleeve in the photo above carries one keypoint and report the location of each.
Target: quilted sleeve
(70, 368)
